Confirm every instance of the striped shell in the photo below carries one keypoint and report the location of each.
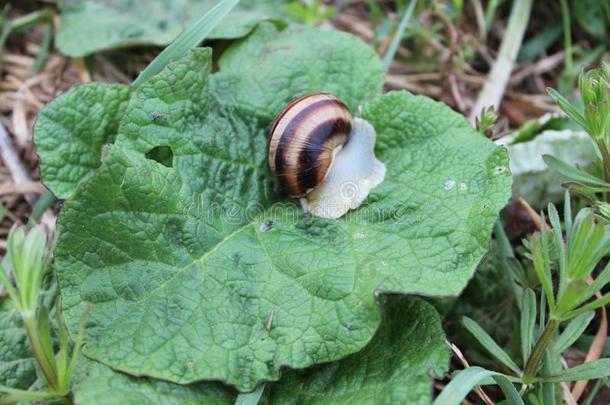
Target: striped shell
(304, 139)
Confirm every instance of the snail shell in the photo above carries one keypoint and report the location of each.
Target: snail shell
(304, 138)
(319, 153)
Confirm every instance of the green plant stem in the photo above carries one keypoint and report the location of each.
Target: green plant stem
(37, 348)
(533, 362)
(567, 34)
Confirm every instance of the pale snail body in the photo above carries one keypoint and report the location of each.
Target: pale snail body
(321, 155)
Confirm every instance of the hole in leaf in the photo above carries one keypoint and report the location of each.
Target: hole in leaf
(161, 154)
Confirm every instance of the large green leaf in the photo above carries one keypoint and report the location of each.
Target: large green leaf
(17, 365)
(96, 384)
(75, 127)
(393, 369)
(88, 26)
(184, 281)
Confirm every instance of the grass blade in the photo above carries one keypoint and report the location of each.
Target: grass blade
(489, 344)
(588, 371)
(463, 382)
(400, 31)
(187, 40)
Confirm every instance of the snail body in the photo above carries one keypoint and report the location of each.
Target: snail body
(323, 156)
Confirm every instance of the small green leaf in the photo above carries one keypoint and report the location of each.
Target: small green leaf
(542, 268)
(571, 333)
(17, 396)
(561, 249)
(528, 322)
(573, 173)
(548, 389)
(63, 354)
(587, 371)
(582, 189)
(600, 281)
(567, 213)
(465, 380)
(589, 243)
(489, 344)
(567, 107)
(45, 338)
(598, 303)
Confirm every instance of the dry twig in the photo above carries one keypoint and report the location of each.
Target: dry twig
(492, 92)
(478, 389)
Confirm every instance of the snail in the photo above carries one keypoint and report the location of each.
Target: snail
(323, 156)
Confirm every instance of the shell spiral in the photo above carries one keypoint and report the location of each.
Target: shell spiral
(304, 140)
